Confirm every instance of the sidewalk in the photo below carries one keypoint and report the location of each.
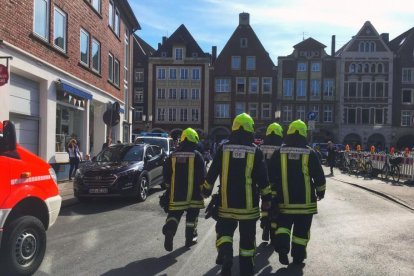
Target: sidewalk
(398, 192)
(66, 192)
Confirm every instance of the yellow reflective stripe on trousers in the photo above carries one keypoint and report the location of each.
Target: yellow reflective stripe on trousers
(172, 219)
(321, 188)
(267, 190)
(224, 177)
(172, 179)
(224, 239)
(300, 241)
(305, 171)
(190, 178)
(248, 175)
(283, 159)
(282, 230)
(246, 252)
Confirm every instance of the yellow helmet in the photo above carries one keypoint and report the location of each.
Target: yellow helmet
(190, 134)
(299, 126)
(245, 121)
(274, 128)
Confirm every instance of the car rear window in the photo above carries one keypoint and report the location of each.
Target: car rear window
(153, 141)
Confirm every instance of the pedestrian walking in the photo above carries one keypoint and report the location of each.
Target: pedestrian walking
(300, 181)
(184, 173)
(272, 142)
(243, 176)
(74, 157)
(331, 156)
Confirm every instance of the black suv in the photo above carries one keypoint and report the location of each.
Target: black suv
(121, 170)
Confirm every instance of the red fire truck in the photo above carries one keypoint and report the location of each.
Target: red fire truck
(29, 205)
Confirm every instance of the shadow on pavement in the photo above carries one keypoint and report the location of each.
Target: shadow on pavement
(290, 270)
(149, 266)
(216, 270)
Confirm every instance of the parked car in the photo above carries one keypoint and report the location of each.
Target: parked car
(29, 205)
(121, 170)
(166, 143)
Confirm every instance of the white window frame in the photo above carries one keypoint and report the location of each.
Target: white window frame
(178, 53)
(266, 107)
(316, 66)
(244, 85)
(301, 112)
(235, 62)
(328, 87)
(287, 113)
(251, 82)
(302, 67)
(172, 93)
(195, 115)
(251, 67)
(139, 75)
(195, 93)
(222, 85)
(411, 96)
(138, 95)
(117, 22)
(82, 31)
(222, 110)
(161, 73)
(328, 114)
(183, 73)
(117, 75)
(253, 107)
(65, 20)
(172, 76)
(315, 90)
(161, 114)
(301, 86)
(266, 81)
(407, 118)
(183, 114)
(183, 94)
(111, 14)
(97, 8)
(45, 20)
(287, 89)
(111, 67)
(407, 75)
(195, 73)
(96, 42)
(172, 114)
(161, 94)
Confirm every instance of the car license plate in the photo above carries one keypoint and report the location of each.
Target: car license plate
(98, 191)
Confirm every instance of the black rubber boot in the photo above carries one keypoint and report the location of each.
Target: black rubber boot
(283, 259)
(168, 242)
(226, 267)
(190, 241)
(297, 260)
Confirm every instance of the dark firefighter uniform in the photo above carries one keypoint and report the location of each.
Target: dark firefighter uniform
(272, 142)
(184, 173)
(299, 179)
(242, 171)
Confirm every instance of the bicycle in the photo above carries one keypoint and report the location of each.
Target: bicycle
(364, 165)
(391, 169)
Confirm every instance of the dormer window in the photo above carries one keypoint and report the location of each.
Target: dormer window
(178, 53)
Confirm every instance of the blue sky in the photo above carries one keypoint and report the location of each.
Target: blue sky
(279, 24)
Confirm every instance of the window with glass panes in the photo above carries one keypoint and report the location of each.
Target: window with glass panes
(239, 108)
(183, 94)
(41, 18)
(287, 87)
(328, 114)
(328, 88)
(184, 73)
(251, 63)
(195, 114)
(266, 85)
(173, 74)
(172, 93)
(407, 96)
(139, 75)
(407, 118)
(195, 93)
(110, 67)
(301, 88)
(222, 85)
(315, 108)
(301, 66)
(96, 56)
(183, 114)
(161, 114)
(161, 73)
(172, 114)
(252, 110)
(178, 53)
(266, 110)
(253, 85)
(316, 66)
(222, 111)
(138, 113)
(287, 113)
(300, 112)
(84, 47)
(161, 93)
(235, 62)
(315, 88)
(241, 85)
(59, 29)
(195, 74)
(408, 75)
(138, 95)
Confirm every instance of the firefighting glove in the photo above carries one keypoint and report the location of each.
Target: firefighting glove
(164, 199)
(212, 208)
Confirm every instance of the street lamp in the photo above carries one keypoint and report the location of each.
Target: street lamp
(147, 121)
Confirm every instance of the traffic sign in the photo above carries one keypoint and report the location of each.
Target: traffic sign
(312, 116)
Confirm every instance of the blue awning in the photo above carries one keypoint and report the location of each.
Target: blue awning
(74, 91)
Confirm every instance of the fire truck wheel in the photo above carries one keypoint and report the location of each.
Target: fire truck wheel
(23, 246)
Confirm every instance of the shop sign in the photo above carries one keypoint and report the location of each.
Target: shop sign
(4, 75)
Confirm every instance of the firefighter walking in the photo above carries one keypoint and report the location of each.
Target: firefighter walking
(184, 173)
(272, 142)
(295, 171)
(242, 171)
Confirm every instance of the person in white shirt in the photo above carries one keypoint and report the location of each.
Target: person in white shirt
(74, 157)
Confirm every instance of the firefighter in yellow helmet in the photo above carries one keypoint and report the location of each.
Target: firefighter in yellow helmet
(184, 173)
(300, 181)
(243, 175)
(272, 142)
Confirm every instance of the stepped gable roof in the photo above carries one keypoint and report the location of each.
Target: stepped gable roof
(183, 37)
(401, 41)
